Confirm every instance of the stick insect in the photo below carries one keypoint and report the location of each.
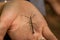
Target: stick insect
(31, 23)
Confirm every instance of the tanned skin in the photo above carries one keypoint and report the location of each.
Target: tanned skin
(1, 6)
(22, 21)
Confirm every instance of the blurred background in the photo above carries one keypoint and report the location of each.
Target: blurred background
(49, 14)
(53, 19)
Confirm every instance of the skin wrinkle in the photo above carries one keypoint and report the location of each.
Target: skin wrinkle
(10, 25)
(29, 22)
(24, 25)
